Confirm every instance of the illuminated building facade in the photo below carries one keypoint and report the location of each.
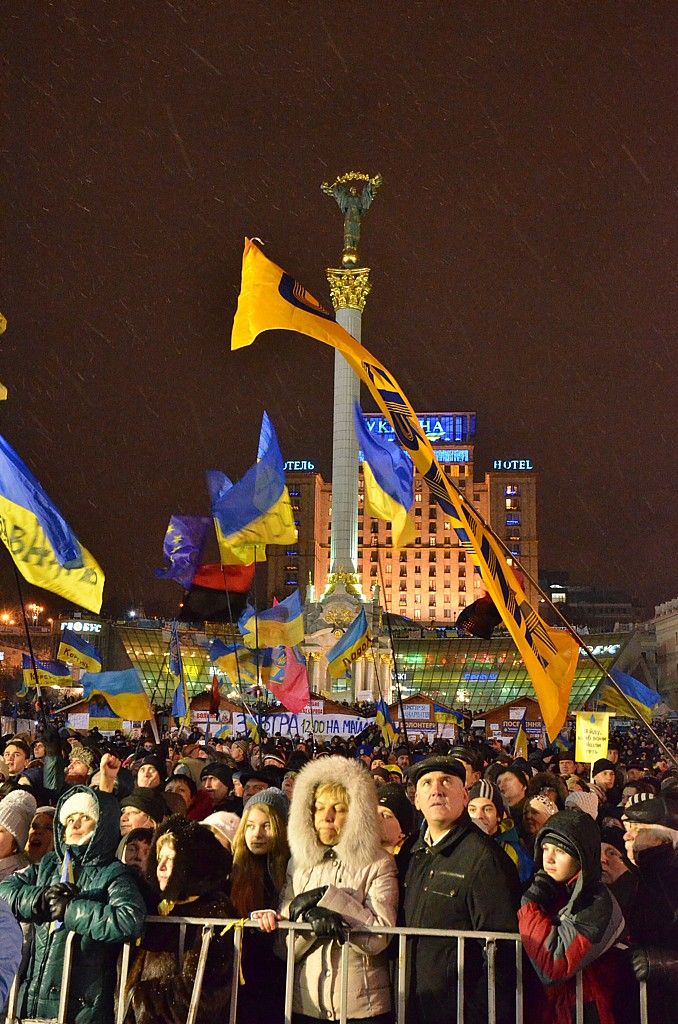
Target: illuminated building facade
(432, 580)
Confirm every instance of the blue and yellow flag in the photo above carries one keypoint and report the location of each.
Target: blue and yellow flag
(272, 300)
(50, 673)
(642, 697)
(388, 475)
(447, 716)
(123, 692)
(237, 662)
(354, 644)
(184, 540)
(74, 649)
(103, 718)
(255, 511)
(180, 702)
(520, 740)
(385, 722)
(279, 626)
(272, 666)
(44, 548)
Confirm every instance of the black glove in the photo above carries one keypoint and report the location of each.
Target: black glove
(326, 924)
(40, 912)
(57, 898)
(304, 901)
(657, 964)
(542, 889)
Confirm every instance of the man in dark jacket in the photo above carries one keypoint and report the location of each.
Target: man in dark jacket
(458, 878)
(79, 887)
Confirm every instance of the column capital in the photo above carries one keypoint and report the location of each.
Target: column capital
(349, 288)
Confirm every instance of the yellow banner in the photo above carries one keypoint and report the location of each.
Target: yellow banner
(592, 736)
(272, 300)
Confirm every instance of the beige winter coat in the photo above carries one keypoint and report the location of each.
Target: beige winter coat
(362, 887)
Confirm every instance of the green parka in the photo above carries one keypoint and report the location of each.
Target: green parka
(108, 910)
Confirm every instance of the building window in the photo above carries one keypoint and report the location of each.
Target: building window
(431, 542)
(417, 512)
(417, 570)
(389, 569)
(462, 586)
(403, 556)
(447, 613)
(374, 542)
(417, 498)
(512, 490)
(462, 557)
(403, 572)
(417, 613)
(417, 554)
(446, 598)
(417, 598)
(403, 588)
(512, 504)
(462, 572)
(515, 550)
(447, 554)
(373, 570)
(446, 525)
(462, 602)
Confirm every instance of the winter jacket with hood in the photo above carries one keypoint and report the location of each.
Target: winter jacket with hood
(362, 887)
(160, 983)
(106, 911)
(571, 927)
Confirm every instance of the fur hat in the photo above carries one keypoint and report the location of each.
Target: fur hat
(82, 802)
(202, 865)
(486, 790)
(271, 797)
(84, 754)
(448, 765)
(16, 813)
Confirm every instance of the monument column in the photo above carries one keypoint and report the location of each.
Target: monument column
(349, 288)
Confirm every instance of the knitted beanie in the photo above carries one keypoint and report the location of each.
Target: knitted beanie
(16, 813)
(82, 802)
(602, 765)
(544, 804)
(486, 790)
(224, 822)
(271, 797)
(220, 771)
(394, 797)
(586, 802)
(150, 801)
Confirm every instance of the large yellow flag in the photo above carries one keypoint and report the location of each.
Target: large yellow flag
(272, 300)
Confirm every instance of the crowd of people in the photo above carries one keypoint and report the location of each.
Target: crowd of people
(105, 836)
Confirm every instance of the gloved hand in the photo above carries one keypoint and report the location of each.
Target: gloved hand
(57, 898)
(40, 911)
(542, 890)
(304, 901)
(653, 962)
(326, 924)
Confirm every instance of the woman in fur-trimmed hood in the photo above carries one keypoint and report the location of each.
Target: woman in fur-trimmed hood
(338, 878)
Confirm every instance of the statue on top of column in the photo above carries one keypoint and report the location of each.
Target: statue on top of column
(354, 193)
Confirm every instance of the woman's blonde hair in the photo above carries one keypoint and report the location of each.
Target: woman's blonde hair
(333, 790)
(248, 878)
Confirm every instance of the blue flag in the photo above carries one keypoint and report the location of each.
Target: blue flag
(642, 697)
(255, 511)
(182, 547)
(180, 704)
(43, 546)
(279, 626)
(388, 476)
(354, 644)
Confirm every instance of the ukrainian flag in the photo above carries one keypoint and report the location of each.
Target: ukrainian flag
(50, 673)
(180, 702)
(354, 644)
(44, 548)
(385, 722)
(388, 475)
(103, 718)
(641, 697)
(237, 662)
(74, 649)
(269, 300)
(122, 691)
(257, 510)
(279, 626)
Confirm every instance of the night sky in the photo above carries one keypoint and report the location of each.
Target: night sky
(521, 250)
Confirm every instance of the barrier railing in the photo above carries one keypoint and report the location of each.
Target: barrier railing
(210, 925)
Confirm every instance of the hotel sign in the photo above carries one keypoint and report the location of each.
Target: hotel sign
(513, 465)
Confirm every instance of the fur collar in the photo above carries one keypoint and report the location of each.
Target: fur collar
(358, 845)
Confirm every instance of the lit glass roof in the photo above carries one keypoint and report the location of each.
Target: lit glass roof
(477, 674)
(482, 674)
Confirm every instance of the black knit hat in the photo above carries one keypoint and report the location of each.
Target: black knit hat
(157, 762)
(486, 790)
(448, 765)
(393, 796)
(602, 765)
(150, 801)
(613, 837)
(220, 771)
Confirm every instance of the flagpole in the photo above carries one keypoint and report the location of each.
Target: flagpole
(38, 690)
(596, 661)
(232, 624)
(395, 665)
(381, 695)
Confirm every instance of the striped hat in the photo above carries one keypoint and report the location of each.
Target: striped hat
(486, 790)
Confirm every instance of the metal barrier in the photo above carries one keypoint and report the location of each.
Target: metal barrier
(209, 925)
